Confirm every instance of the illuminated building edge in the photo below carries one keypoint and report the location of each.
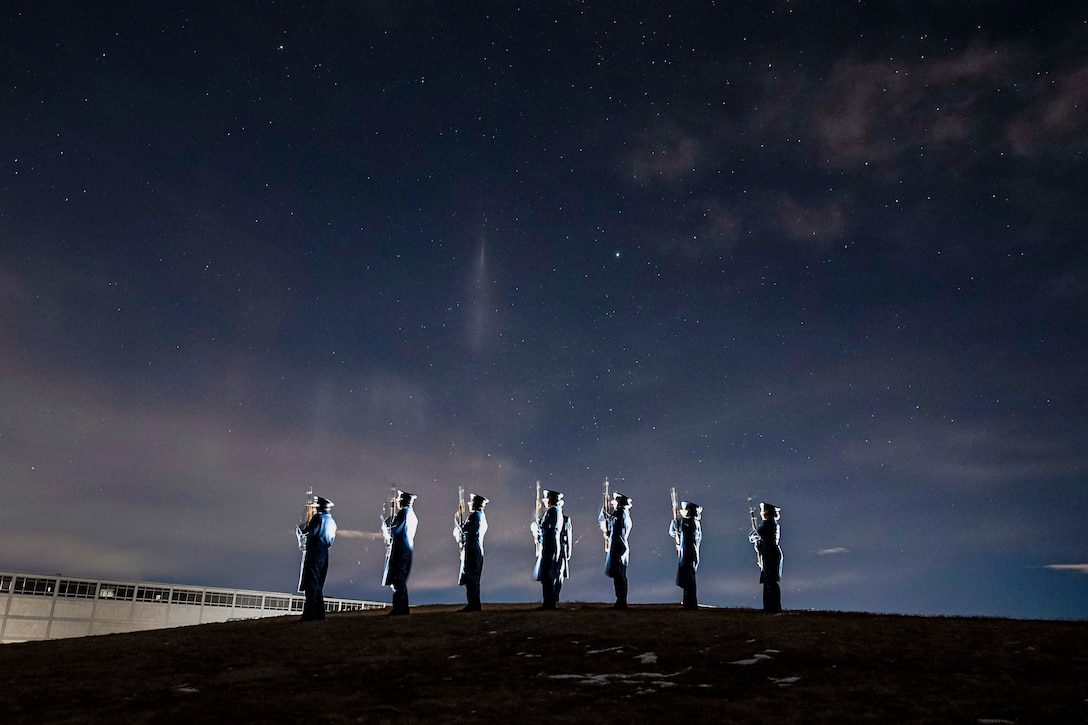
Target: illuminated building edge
(40, 607)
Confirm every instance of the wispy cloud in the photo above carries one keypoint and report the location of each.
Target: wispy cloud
(1058, 119)
(666, 153)
(1083, 568)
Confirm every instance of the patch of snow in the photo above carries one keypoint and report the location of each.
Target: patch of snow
(638, 678)
(756, 658)
(783, 681)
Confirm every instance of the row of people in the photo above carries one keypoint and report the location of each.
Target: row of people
(553, 534)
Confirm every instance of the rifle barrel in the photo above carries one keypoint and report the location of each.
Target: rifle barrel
(606, 513)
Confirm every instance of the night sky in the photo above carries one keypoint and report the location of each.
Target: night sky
(830, 255)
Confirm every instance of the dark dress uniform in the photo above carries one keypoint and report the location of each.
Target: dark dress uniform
(617, 527)
(470, 538)
(549, 562)
(688, 533)
(399, 531)
(766, 540)
(314, 538)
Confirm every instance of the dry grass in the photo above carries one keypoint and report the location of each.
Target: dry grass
(584, 663)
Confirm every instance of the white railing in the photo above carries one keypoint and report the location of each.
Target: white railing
(38, 607)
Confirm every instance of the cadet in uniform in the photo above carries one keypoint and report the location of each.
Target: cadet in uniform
(616, 526)
(688, 534)
(399, 532)
(549, 561)
(470, 539)
(314, 538)
(769, 556)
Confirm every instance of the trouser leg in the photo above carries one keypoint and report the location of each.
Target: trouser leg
(400, 598)
(549, 593)
(691, 596)
(314, 605)
(772, 597)
(472, 593)
(619, 583)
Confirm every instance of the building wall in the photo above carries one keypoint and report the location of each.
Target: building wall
(39, 607)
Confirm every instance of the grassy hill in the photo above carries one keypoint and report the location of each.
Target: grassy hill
(584, 663)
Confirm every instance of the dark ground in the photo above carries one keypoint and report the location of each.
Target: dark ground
(584, 663)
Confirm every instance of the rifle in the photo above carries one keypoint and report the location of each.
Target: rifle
(461, 506)
(676, 517)
(536, 517)
(307, 514)
(308, 510)
(753, 536)
(393, 502)
(605, 508)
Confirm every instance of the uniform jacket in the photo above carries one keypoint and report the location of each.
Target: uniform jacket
(617, 526)
(689, 533)
(399, 531)
(315, 538)
(470, 536)
(770, 553)
(549, 562)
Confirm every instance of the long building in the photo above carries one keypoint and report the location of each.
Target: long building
(39, 607)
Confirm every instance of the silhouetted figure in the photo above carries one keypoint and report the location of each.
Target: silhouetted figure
(688, 534)
(617, 527)
(399, 532)
(769, 556)
(549, 561)
(314, 538)
(470, 538)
